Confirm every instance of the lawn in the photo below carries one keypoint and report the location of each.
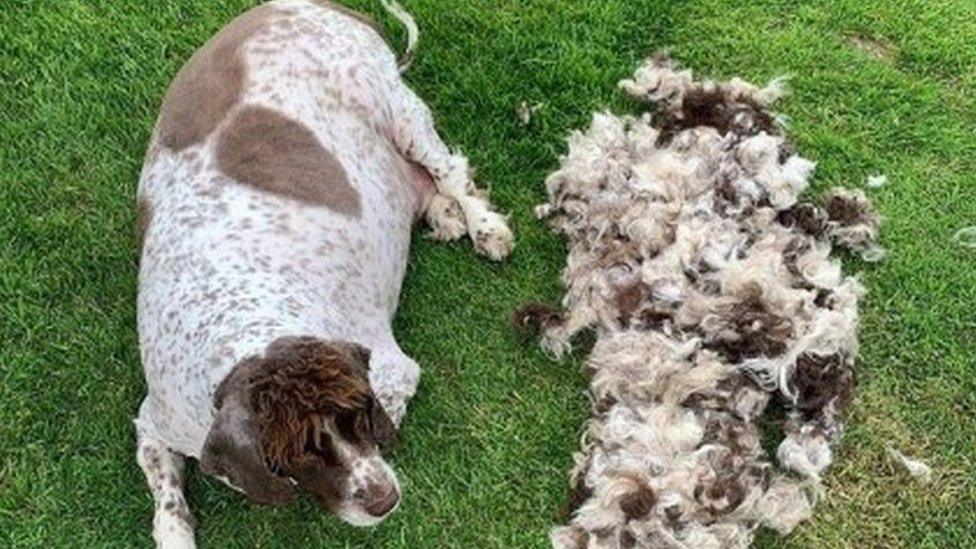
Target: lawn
(880, 87)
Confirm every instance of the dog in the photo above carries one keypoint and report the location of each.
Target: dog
(282, 180)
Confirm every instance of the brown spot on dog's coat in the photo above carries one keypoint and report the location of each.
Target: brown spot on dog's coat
(209, 84)
(266, 150)
(145, 219)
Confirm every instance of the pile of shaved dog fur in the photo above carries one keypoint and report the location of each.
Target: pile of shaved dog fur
(710, 287)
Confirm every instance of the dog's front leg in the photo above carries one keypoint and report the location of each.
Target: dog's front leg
(172, 521)
(394, 377)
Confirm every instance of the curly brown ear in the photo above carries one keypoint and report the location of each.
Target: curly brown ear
(384, 432)
(233, 451)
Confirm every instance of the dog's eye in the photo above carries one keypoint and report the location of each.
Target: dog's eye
(348, 426)
(364, 426)
(325, 450)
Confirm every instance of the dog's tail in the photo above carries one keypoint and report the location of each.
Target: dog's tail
(413, 33)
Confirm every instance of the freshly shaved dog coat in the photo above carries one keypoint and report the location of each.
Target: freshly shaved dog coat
(286, 170)
(273, 215)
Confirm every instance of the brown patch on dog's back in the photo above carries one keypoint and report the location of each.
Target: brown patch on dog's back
(145, 219)
(210, 83)
(266, 150)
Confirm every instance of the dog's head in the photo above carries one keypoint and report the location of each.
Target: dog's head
(304, 415)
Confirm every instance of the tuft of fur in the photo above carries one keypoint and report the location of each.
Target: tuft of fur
(531, 318)
(875, 181)
(966, 237)
(915, 467)
(854, 223)
(712, 292)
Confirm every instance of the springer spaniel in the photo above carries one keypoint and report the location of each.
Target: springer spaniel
(285, 172)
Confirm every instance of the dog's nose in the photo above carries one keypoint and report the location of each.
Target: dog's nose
(382, 505)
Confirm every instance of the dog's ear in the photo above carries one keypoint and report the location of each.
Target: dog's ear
(382, 427)
(233, 450)
(384, 432)
(359, 354)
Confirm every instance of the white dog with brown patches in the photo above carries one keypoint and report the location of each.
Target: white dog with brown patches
(286, 170)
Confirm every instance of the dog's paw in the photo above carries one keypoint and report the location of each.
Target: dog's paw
(445, 218)
(173, 532)
(491, 236)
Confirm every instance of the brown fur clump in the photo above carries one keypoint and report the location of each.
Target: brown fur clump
(718, 108)
(750, 330)
(806, 217)
(821, 380)
(853, 223)
(577, 495)
(638, 503)
(629, 299)
(711, 291)
(845, 209)
(634, 308)
(530, 318)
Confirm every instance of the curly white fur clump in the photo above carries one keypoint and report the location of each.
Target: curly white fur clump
(712, 292)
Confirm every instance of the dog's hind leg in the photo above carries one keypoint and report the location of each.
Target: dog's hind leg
(458, 205)
(172, 521)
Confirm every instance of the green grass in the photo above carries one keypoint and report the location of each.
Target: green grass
(880, 87)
